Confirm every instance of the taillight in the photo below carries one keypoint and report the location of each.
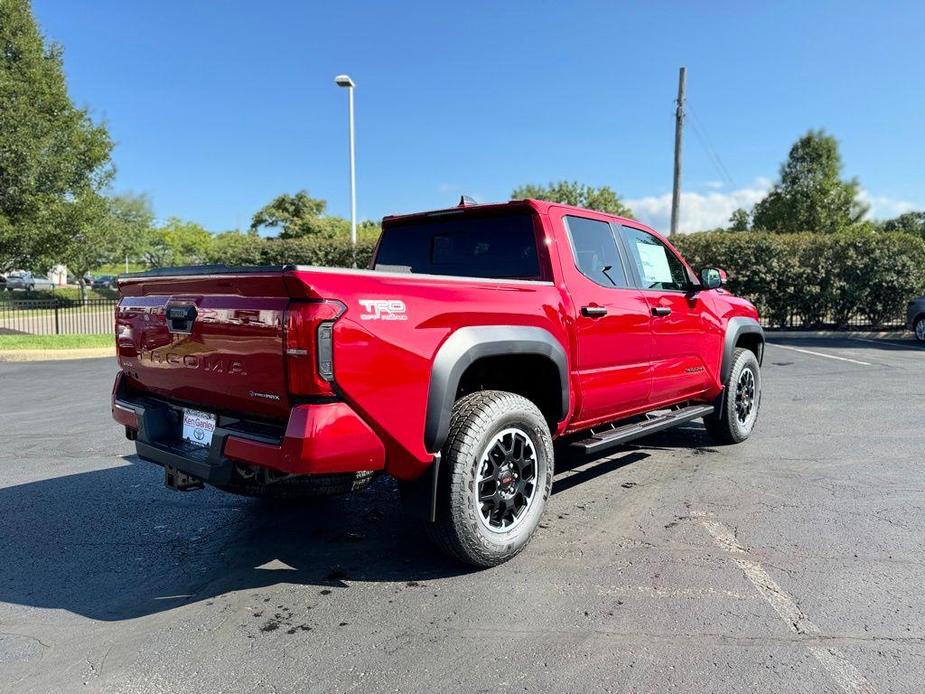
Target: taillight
(310, 346)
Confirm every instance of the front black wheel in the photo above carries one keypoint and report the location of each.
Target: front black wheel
(495, 478)
(738, 412)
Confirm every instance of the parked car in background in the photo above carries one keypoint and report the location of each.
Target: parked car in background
(915, 318)
(28, 281)
(2, 283)
(103, 282)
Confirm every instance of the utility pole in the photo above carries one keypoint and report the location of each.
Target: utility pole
(678, 128)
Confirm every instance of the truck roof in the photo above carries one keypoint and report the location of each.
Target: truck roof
(541, 206)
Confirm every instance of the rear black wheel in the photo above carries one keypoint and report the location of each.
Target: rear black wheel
(738, 412)
(495, 478)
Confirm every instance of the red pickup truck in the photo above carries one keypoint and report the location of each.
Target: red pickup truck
(480, 335)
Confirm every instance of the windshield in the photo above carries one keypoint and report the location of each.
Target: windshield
(497, 246)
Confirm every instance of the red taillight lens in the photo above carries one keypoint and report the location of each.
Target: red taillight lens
(310, 346)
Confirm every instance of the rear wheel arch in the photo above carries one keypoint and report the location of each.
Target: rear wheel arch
(496, 357)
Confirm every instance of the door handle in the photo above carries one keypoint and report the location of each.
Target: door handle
(593, 311)
(661, 311)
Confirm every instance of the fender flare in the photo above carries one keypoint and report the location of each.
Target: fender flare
(738, 326)
(463, 348)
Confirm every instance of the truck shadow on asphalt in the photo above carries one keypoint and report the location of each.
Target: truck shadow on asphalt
(114, 544)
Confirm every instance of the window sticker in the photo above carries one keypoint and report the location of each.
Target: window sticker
(654, 261)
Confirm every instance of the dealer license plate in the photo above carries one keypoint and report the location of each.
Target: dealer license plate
(198, 427)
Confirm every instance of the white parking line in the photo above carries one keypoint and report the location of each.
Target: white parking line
(820, 354)
(835, 662)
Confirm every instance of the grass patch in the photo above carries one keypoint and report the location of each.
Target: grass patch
(18, 342)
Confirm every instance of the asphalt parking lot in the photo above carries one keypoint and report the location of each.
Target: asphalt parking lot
(792, 563)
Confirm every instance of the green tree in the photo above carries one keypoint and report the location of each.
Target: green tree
(811, 195)
(54, 160)
(128, 227)
(236, 248)
(86, 235)
(602, 199)
(909, 222)
(296, 216)
(739, 220)
(178, 242)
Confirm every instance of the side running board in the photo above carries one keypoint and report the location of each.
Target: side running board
(601, 441)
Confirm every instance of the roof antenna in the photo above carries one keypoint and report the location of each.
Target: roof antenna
(466, 200)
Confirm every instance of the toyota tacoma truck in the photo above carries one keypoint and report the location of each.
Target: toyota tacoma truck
(479, 336)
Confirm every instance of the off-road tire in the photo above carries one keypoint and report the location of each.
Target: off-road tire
(303, 487)
(476, 421)
(918, 328)
(728, 427)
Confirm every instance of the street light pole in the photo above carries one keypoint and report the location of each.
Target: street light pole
(345, 81)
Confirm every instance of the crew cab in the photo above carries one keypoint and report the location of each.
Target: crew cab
(478, 336)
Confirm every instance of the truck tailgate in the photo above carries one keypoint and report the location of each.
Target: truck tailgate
(216, 342)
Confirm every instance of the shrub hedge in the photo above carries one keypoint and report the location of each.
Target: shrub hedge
(816, 279)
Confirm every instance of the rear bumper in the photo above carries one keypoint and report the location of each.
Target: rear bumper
(318, 439)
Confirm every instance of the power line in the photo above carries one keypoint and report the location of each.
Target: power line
(700, 132)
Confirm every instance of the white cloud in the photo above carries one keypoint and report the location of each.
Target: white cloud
(710, 210)
(698, 210)
(885, 207)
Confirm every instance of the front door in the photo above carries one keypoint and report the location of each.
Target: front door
(611, 322)
(683, 325)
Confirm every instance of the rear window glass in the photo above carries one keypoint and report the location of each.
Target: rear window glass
(500, 247)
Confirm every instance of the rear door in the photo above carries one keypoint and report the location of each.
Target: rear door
(611, 323)
(681, 320)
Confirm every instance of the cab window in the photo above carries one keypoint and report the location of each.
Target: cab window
(596, 254)
(657, 266)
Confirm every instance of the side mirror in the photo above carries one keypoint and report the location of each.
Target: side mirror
(712, 278)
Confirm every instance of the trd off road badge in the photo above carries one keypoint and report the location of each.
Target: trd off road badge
(383, 309)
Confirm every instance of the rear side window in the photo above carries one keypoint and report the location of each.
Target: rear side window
(596, 253)
(499, 247)
(658, 267)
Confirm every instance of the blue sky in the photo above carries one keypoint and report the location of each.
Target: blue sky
(217, 107)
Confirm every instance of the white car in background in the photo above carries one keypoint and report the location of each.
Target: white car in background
(23, 279)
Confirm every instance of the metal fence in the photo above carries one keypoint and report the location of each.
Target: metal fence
(855, 322)
(54, 316)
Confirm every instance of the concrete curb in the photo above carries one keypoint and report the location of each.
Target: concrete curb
(20, 355)
(869, 335)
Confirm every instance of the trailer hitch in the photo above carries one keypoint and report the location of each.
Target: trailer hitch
(179, 481)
